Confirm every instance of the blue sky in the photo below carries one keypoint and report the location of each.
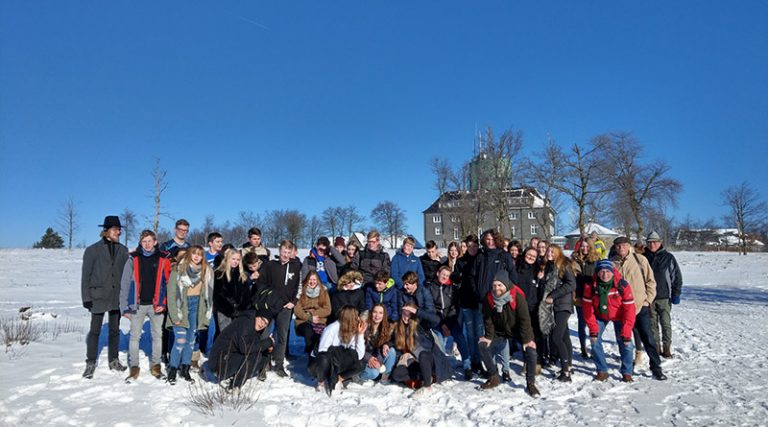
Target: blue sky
(273, 105)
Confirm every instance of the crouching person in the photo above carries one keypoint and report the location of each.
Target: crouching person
(608, 298)
(341, 350)
(505, 315)
(420, 360)
(241, 351)
(379, 357)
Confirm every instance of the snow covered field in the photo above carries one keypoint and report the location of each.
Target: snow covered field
(718, 375)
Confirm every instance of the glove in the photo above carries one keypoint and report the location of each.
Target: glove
(87, 304)
(676, 299)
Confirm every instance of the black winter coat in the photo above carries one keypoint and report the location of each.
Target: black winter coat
(103, 264)
(355, 298)
(239, 350)
(666, 271)
(563, 292)
(231, 297)
(446, 300)
(584, 275)
(530, 284)
(509, 323)
(462, 274)
(487, 264)
(430, 267)
(283, 279)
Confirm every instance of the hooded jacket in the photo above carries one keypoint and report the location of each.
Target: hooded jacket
(514, 321)
(313, 262)
(666, 272)
(401, 264)
(487, 264)
(390, 297)
(426, 306)
(371, 262)
(621, 306)
(445, 299)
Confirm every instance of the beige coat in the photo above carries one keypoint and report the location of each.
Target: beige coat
(634, 273)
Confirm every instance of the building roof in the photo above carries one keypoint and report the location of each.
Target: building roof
(593, 226)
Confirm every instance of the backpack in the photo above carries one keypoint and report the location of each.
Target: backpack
(512, 303)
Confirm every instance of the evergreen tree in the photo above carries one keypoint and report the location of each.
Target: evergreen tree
(50, 240)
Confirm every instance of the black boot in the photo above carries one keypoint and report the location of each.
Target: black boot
(90, 367)
(171, 378)
(565, 376)
(115, 365)
(659, 375)
(184, 372)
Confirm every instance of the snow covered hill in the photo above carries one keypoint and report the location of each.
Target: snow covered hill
(718, 375)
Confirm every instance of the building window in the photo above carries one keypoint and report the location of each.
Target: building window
(438, 231)
(551, 230)
(454, 218)
(436, 219)
(534, 229)
(455, 233)
(513, 231)
(531, 215)
(513, 216)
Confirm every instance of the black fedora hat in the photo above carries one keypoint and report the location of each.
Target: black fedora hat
(111, 221)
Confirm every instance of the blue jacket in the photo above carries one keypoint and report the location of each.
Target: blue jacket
(426, 306)
(390, 297)
(402, 264)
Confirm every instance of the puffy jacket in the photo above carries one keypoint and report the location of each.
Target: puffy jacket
(230, 297)
(130, 284)
(445, 298)
(426, 306)
(238, 348)
(401, 264)
(513, 321)
(103, 264)
(621, 304)
(666, 272)
(390, 297)
(487, 264)
(636, 270)
(371, 262)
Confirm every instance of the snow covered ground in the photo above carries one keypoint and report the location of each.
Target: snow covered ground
(718, 375)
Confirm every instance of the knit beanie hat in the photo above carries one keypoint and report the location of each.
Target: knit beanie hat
(603, 264)
(503, 277)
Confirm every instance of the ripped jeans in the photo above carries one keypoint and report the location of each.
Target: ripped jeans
(184, 338)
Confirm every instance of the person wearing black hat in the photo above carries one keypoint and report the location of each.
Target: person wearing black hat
(103, 264)
(505, 314)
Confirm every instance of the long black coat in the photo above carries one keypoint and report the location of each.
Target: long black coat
(102, 271)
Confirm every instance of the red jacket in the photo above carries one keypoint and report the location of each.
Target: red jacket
(621, 306)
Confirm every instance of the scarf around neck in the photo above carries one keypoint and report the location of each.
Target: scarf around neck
(313, 292)
(500, 302)
(603, 288)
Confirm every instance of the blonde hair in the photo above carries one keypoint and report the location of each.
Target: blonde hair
(225, 270)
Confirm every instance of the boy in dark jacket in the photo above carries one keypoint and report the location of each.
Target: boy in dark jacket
(418, 295)
(505, 314)
(383, 291)
(445, 296)
(608, 298)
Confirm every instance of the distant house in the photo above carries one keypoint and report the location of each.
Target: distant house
(714, 239)
(606, 234)
(360, 240)
(447, 218)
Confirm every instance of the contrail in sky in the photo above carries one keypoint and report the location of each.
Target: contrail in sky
(253, 22)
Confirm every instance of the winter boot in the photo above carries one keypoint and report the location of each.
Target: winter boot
(667, 353)
(505, 377)
(565, 376)
(171, 376)
(532, 390)
(627, 378)
(90, 367)
(157, 372)
(134, 373)
(195, 360)
(115, 365)
(601, 376)
(638, 356)
(280, 371)
(492, 382)
(659, 375)
(468, 374)
(584, 353)
(184, 372)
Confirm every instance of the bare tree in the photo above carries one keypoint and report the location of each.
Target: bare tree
(245, 220)
(748, 212)
(128, 218)
(442, 170)
(67, 221)
(638, 187)
(333, 220)
(160, 185)
(390, 219)
(295, 223)
(545, 172)
(314, 229)
(352, 219)
(491, 173)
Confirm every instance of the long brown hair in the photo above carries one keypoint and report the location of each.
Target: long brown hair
(405, 335)
(385, 328)
(186, 260)
(591, 257)
(304, 286)
(348, 318)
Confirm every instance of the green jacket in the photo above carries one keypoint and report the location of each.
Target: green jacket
(177, 302)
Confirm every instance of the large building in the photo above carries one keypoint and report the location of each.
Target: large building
(455, 214)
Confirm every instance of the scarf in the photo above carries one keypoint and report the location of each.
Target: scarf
(500, 302)
(147, 253)
(313, 292)
(602, 290)
(192, 277)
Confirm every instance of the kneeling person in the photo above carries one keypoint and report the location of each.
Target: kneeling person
(505, 314)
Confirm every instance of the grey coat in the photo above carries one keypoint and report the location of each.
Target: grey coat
(100, 281)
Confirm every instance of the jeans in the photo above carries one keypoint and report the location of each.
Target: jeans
(156, 328)
(662, 315)
(388, 361)
(92, 340)
(181, 353)
(457, 334)
(282, 327)
(582, 327)
(643, 328)
(498, 348)
(472, 320)
(625, 350)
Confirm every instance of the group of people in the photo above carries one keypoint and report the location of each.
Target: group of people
(364, 316)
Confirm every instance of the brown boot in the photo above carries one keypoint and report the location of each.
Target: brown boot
(157, 372)
(667, 353)
(195, 360)
(601, 376)
(538, 369)
(627, 378)
(492, 382)
(638, 357)
(134, 373)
